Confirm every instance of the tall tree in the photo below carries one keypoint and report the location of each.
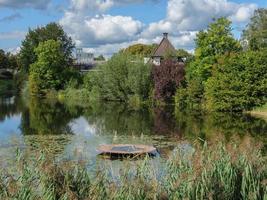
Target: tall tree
(239, 82)
(52, 31)
(212, 43)
(256, 32)
(3, 59)
(47, 72)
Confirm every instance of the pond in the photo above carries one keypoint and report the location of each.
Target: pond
(71, 132)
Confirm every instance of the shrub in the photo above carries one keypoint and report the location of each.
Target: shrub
(167, 78)
(239, 82)
(121, 77)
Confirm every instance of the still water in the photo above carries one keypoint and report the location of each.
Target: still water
(69, 132)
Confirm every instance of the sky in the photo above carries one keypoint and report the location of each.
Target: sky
(105, 26)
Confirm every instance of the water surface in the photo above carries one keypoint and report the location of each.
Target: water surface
(68, 132)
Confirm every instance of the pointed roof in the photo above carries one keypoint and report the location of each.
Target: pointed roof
(164, 47)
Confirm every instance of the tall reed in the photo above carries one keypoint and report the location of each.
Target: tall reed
(208, 173)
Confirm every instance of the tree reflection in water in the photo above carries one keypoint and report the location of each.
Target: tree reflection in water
(45, 124)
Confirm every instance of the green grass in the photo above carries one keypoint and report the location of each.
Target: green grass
(218, 172)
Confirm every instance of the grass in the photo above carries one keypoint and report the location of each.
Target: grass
(219, 172)
(260, 112)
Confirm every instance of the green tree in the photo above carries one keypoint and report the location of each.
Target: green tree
(140, 49)
(181, 53)
(52, 31)
(217, 40)
(100, 58)
(48, 71)
(256, 32)
(3, 59)
(13, 62)
(212, 43)
(239, 82)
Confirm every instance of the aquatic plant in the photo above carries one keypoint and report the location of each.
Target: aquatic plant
(210, 172)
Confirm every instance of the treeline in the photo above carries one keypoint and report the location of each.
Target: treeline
(8, 60)
(224, 74)
(227, 74)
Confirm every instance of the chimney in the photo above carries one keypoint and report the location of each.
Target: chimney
(165, 35)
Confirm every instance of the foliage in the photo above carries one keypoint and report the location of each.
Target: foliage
(52, 31)
(3, 59)
(121, 77)
(215, 41)
(181, 53)
(167, 77)
(212, 43)
(6, 87)
(239, 82)
(140, 50)
(47, 73)
(100, 58)
(208, 173)
(256, 32)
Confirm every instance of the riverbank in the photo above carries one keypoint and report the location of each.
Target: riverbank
(260, 112)
(210, 172)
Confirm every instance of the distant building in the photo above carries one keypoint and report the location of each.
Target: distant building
(86, 61)
(83, 58)
(164, 49)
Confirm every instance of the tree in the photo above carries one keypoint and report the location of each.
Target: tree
(48, 71)
(100, 58)
(239, 82)
(3, 59)
(13, 62)
(181, 53)
(217, 40)
(212, 43)
(256, 32)
(140, 49)
(167, 78)
(52, 31)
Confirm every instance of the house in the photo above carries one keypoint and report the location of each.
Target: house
(165, 48)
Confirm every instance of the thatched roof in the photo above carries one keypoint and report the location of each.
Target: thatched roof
(164, 47)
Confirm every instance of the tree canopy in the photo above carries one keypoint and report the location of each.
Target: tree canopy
(217, 40)
(47, 72)
(140, 49)
(52, 31)
(3, 59)
(239, 82)
(256, 32)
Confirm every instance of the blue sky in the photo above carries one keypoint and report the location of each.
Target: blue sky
(104, 26)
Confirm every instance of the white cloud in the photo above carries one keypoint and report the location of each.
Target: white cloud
(101, 29)
(243, 13)
(88, 24)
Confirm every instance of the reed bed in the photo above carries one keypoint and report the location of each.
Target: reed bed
(218, 172)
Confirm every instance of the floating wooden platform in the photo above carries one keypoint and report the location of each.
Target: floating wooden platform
(127, 150)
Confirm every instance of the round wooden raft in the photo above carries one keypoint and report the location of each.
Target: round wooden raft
(126, 149)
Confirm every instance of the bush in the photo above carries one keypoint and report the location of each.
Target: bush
(239, 82)
(167, 78)
(120, 78)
